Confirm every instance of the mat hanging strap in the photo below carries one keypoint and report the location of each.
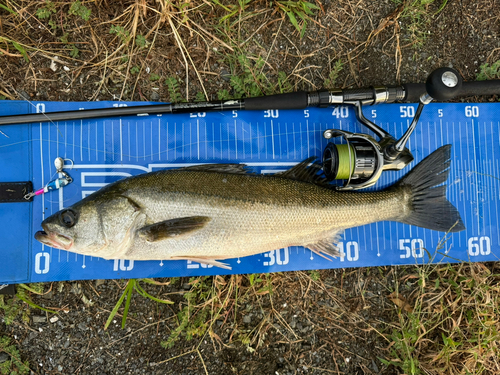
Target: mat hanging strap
(11, 192)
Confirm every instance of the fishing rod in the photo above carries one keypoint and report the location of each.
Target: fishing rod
(359, 161)
(410, 92)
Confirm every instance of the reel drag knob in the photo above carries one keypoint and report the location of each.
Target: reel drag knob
(444, 84)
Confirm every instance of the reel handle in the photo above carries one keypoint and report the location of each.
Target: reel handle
(413, 91)
(444, 84)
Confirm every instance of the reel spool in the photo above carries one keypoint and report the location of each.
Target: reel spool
(359, 162)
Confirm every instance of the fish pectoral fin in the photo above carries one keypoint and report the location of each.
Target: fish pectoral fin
(172, 228)
(204, 260)
(327, 246)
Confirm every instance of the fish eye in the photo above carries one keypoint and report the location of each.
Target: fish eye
(68, 218)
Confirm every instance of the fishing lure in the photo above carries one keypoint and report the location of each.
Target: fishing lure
(54, 184)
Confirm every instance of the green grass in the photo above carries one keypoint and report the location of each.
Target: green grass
(249, 78)
(14, 306)
(78, 9)
(489, 71)
(452, 323)
(174, 90)
(194, 318)
(133, 285)
(415, 17)
(331, 81)
(299, 13)
(13, 365)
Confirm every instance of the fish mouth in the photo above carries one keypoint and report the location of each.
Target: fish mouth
(55, 240)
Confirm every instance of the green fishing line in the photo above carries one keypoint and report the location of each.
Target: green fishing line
(345, 168)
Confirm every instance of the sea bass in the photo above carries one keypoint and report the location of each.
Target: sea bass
(213, 212)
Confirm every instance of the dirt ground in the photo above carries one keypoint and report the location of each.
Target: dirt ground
(335, 321)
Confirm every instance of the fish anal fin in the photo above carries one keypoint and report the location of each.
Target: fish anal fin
(204, 260)
(327, 246)
(172, 228)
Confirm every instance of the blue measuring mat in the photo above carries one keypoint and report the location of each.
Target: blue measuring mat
(105, 150)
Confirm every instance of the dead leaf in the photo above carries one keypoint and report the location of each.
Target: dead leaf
(400, 302)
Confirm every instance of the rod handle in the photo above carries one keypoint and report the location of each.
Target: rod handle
(293, 100)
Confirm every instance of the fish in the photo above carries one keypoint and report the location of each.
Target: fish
(209, 213)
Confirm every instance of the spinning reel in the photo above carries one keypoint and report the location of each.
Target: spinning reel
(361, 160)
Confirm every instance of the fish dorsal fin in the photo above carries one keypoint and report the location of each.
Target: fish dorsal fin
(307, 171)
(172, 228)
(220, 168)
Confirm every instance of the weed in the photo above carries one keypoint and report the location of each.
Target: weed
(13, 365)
(267, 287)
(74, 51)
(416, 16)
(249, 79)
(200, 97)
(140, 41)
(254, 279)
(7, 42)
(173, 90)
(46, 11)
(455, 317)
(12, 307)
(284, 84)
(193, 318)
(78, 9)
(404, 342)
(223, 94)
(5, 7)
(252, 81)
(232, 9)
(331, 81)
(488, 71)
(33, 288)
(132, 285)
(298, 9)
(315, 275)
(135, 70)
(153, 77)
(17, 46)
(121, 32)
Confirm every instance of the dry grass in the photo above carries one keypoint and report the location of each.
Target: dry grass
(449, 322)
(428, 320)
(126, 50)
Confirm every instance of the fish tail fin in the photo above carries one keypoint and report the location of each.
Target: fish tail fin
(429, 207)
